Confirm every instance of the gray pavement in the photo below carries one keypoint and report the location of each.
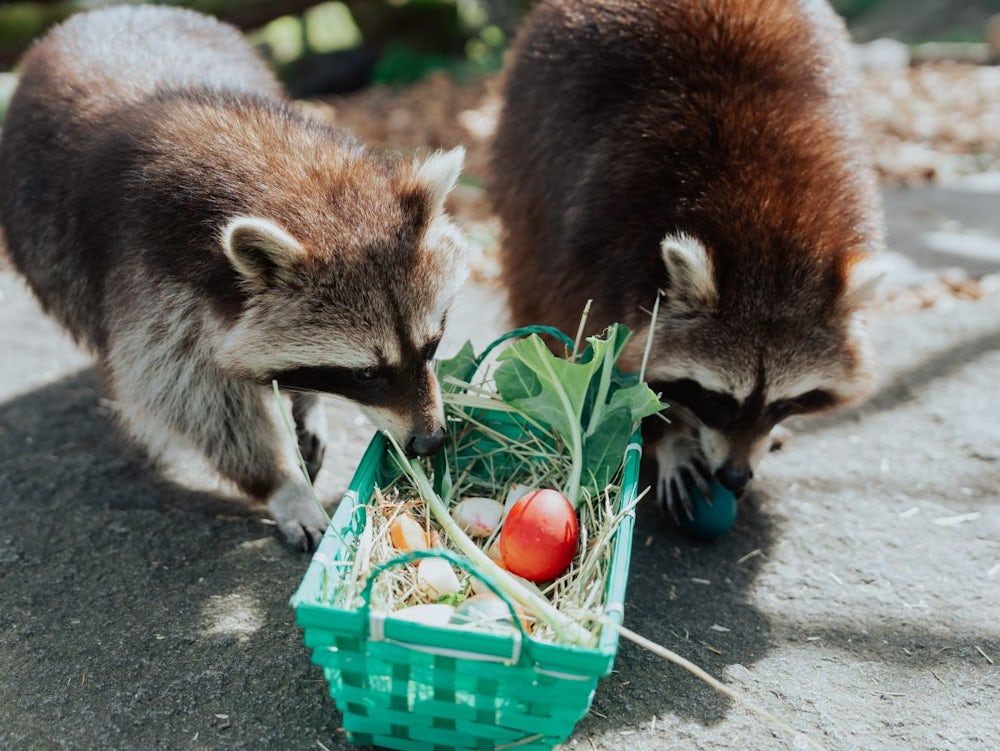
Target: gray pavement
(858, 597)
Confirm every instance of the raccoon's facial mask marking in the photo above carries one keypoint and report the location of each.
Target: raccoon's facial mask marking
(732, 436)
(262, 252)
(811, 401)
(712, 408)
(724, 413)
(374, 385)
(353, 383)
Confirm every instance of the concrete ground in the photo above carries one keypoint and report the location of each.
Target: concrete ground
(858, 597)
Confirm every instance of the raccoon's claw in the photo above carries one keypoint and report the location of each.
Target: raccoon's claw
(680, 476)
(300, 520)
(676, 492)
(299, 538)
(313, 449)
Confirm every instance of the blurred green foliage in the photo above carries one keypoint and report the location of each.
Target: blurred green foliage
(853, 8)
(321, 46)
(401, 40)
(7, 83)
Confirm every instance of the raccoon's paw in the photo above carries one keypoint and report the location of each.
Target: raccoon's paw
(680, 469)
(300, 520)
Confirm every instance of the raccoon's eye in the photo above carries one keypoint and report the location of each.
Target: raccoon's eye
(715, 409)
(367, 375)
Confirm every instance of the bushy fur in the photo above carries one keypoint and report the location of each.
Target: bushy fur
(707, 152)
(183, 220)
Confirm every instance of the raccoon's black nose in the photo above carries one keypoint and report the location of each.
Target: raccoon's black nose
(425, 444)
(733, 478)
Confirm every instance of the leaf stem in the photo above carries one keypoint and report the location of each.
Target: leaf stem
(600, 401)
(576, 439)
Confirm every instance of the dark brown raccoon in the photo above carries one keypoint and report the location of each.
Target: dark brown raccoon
(706, 153)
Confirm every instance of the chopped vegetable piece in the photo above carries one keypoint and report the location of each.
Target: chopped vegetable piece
(437, 578)
(407, 534)
(486, 610)
(478, 517)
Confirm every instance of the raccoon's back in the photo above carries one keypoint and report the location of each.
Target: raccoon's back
(104, 59)
(626, 120)
(79, 79)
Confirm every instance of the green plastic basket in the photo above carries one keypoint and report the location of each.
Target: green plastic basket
(411, 686)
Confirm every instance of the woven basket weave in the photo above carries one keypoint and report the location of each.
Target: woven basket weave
(410, 686)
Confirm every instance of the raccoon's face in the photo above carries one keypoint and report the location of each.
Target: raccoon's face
(363, 320)
(733, 369)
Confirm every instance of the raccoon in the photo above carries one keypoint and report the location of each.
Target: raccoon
(703, 159)
(204, 237)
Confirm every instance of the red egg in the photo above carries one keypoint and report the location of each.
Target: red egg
(539, 536)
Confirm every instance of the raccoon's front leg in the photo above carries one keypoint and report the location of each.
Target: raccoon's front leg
(310, 431)
(260, 460)
(680, 468)
(164, 399)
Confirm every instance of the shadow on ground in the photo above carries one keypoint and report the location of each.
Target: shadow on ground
(903, 386)
(676, 580)
(157, 614)
(138, 613)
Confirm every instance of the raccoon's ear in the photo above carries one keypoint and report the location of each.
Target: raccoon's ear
(692, 278)
(438, 173)
(260, 250)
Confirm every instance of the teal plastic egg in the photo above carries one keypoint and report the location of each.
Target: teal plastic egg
(710, 518)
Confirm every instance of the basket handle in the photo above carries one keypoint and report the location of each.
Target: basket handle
(456, 560)
(524, 331)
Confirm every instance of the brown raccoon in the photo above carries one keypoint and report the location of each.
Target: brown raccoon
(183, 220)
(707, 153)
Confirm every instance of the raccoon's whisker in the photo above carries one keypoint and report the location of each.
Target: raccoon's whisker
(298, 389)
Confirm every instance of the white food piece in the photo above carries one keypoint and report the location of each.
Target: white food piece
(482, 610)
(435, 614)
(437, 578)
(478, 517)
